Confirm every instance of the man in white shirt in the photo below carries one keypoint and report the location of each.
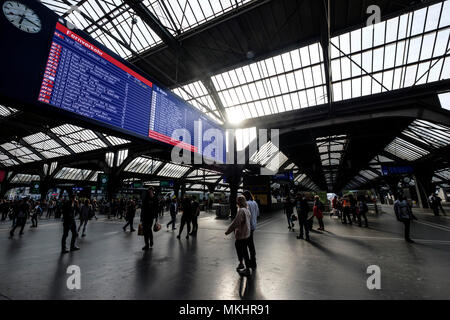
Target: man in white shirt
(254, 210)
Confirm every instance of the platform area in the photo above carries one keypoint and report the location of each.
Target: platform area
(332, 266)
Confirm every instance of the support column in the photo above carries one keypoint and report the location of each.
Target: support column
(233, 176)
(176, 189)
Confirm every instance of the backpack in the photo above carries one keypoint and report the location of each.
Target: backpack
(404, 210)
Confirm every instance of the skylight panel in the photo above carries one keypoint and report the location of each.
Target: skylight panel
(143, 165)
(405, 42)
(405, 150)
(173, 170)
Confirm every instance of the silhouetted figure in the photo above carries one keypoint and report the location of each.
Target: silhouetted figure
(289, 211)
(149, 212)
(85, 213)
(303, 213)
(404, 214)
(318, 212)
(37, 212)
(254, 212)
(195, 207)
(363, 209)
(186, 217)
(21, 212)
(173, 209)
(241, 227)
(131, 212)
(70, 210)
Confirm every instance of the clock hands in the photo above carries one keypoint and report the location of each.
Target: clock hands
(31, 22)
(22, 18)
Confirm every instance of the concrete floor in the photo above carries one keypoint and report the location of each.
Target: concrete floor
(333, 266)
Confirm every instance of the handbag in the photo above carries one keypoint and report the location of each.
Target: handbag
(156, 227)
(140, 230)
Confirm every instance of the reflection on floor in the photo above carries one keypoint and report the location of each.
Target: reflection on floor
(332, 266)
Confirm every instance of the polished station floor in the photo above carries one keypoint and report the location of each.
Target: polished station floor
(333, 266)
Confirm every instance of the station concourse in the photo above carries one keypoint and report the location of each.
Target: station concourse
(330, 113)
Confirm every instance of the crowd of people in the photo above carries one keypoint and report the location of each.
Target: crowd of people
(348, 208)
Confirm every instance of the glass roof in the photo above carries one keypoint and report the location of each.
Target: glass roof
(78, 139)
(179, 16)
(143, 165)
(24, 178)
(121, 156)
(331, 149)
(306, 182)
(108, 20)
(434, 135)
(196, 94)
(45, 145)
(405, 150)
(426, 135)
(404, 51)
(73, 174)
(380, 158)
(115, 141)
(7, 111)
(172, 170)
(7, 161)
(210, 176)
(19, 152)
(40, 145)
(287, 81)
(114, 24)
(444, 98)
(269, 156)
(443, 175)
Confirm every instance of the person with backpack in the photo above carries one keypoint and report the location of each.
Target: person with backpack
(37, 212)
(404, 214)
(173, 209)
(289, 211)
(195, 213)
(318, 212)
(363, 209)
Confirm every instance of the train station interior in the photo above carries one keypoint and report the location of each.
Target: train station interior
(343, 106)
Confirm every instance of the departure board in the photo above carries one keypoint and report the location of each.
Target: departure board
(84, 79)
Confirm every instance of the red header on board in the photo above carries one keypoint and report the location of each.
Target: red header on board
(163, 138)
(101, 53)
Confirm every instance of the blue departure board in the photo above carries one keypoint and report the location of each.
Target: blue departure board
(84, 79)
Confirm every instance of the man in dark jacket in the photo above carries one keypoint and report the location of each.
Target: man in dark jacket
(149, 211)
(186, 218)
(21, 212)
(195, 207)
(69, 210)
(302, 212)
(129, 216)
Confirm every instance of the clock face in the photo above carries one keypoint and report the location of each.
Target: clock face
(22, 17)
